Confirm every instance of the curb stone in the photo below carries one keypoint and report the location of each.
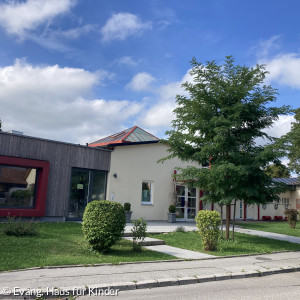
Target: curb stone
(147, 284)
(187, 280)
(167, 282)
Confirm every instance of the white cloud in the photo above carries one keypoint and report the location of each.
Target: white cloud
(52, 102)
(127, 60)
(265, 47)
(161, 113)
(18, 18)
(75, 33)
(122, 25)
(281, 127)
(141, 82)
(284, 69)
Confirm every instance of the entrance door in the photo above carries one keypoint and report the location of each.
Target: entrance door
(186, 203)
(86, 186)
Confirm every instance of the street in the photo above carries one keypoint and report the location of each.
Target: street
(281, 286)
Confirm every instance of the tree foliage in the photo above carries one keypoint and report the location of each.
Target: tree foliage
(226, 110)
(277, 171)
(294, 147)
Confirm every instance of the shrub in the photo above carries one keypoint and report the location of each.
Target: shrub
(127, 206)
(138, 230)
(180, 229)
(103, 224)
(16, 227)
(291, 215)
(266, 218)
(277, 218)
(208, 223)
(172, 209)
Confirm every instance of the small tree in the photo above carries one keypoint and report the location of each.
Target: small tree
(138, 230)
(208, 223)
(228, 107)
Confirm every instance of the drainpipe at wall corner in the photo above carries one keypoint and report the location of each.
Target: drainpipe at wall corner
(245, 211)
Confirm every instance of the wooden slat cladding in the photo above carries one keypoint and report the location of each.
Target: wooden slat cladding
(62, 157)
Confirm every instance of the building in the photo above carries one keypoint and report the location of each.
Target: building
(55, 181)
(137, 177)
(48, 179)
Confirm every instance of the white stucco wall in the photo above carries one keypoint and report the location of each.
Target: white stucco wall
(134, 164)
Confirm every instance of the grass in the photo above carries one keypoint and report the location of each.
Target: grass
(276, 227)
(63, 244)
(243, 244)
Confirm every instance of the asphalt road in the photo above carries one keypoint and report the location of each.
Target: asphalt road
(281, 286)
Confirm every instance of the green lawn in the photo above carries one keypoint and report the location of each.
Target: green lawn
(243, 243)
(63, 244)
(276, 227)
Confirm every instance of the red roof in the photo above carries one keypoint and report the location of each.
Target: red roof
(130, 135)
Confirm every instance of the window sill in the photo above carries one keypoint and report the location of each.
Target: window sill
(146, 203)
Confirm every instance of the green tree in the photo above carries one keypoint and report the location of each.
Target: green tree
(226, 110)
(277, 171)
(294, 147)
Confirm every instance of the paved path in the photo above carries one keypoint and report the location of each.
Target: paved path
(156, 227)
(178, 252)
(270, 235)
(147, 275)
(159, 246)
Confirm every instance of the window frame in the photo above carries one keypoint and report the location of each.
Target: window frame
(151, 192)
(41, 189)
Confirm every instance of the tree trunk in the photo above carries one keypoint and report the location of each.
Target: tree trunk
(227, 221)
(233, 223)
(222, 233)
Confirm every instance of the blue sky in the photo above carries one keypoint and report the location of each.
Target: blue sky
(78, 70)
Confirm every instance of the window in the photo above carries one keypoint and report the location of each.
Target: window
(147, 190)
(23, 186)
(17, 186)
(286, 202)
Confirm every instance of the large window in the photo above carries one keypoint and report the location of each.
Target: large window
(147, 191)
(86, 186)
(17, 186)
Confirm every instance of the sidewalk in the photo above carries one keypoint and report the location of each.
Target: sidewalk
(147, 275)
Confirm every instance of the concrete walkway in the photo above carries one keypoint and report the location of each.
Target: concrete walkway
(159, 246)
(86, 280)
(270, 235)
(164, 227)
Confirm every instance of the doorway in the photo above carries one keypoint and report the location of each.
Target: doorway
(186, 203)
(86, 186)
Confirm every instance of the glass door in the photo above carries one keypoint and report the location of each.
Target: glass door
(86, 186)
(186, 203)
(79, 193)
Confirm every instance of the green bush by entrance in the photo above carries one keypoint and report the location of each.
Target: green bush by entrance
(208, 223)
(103, 224)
